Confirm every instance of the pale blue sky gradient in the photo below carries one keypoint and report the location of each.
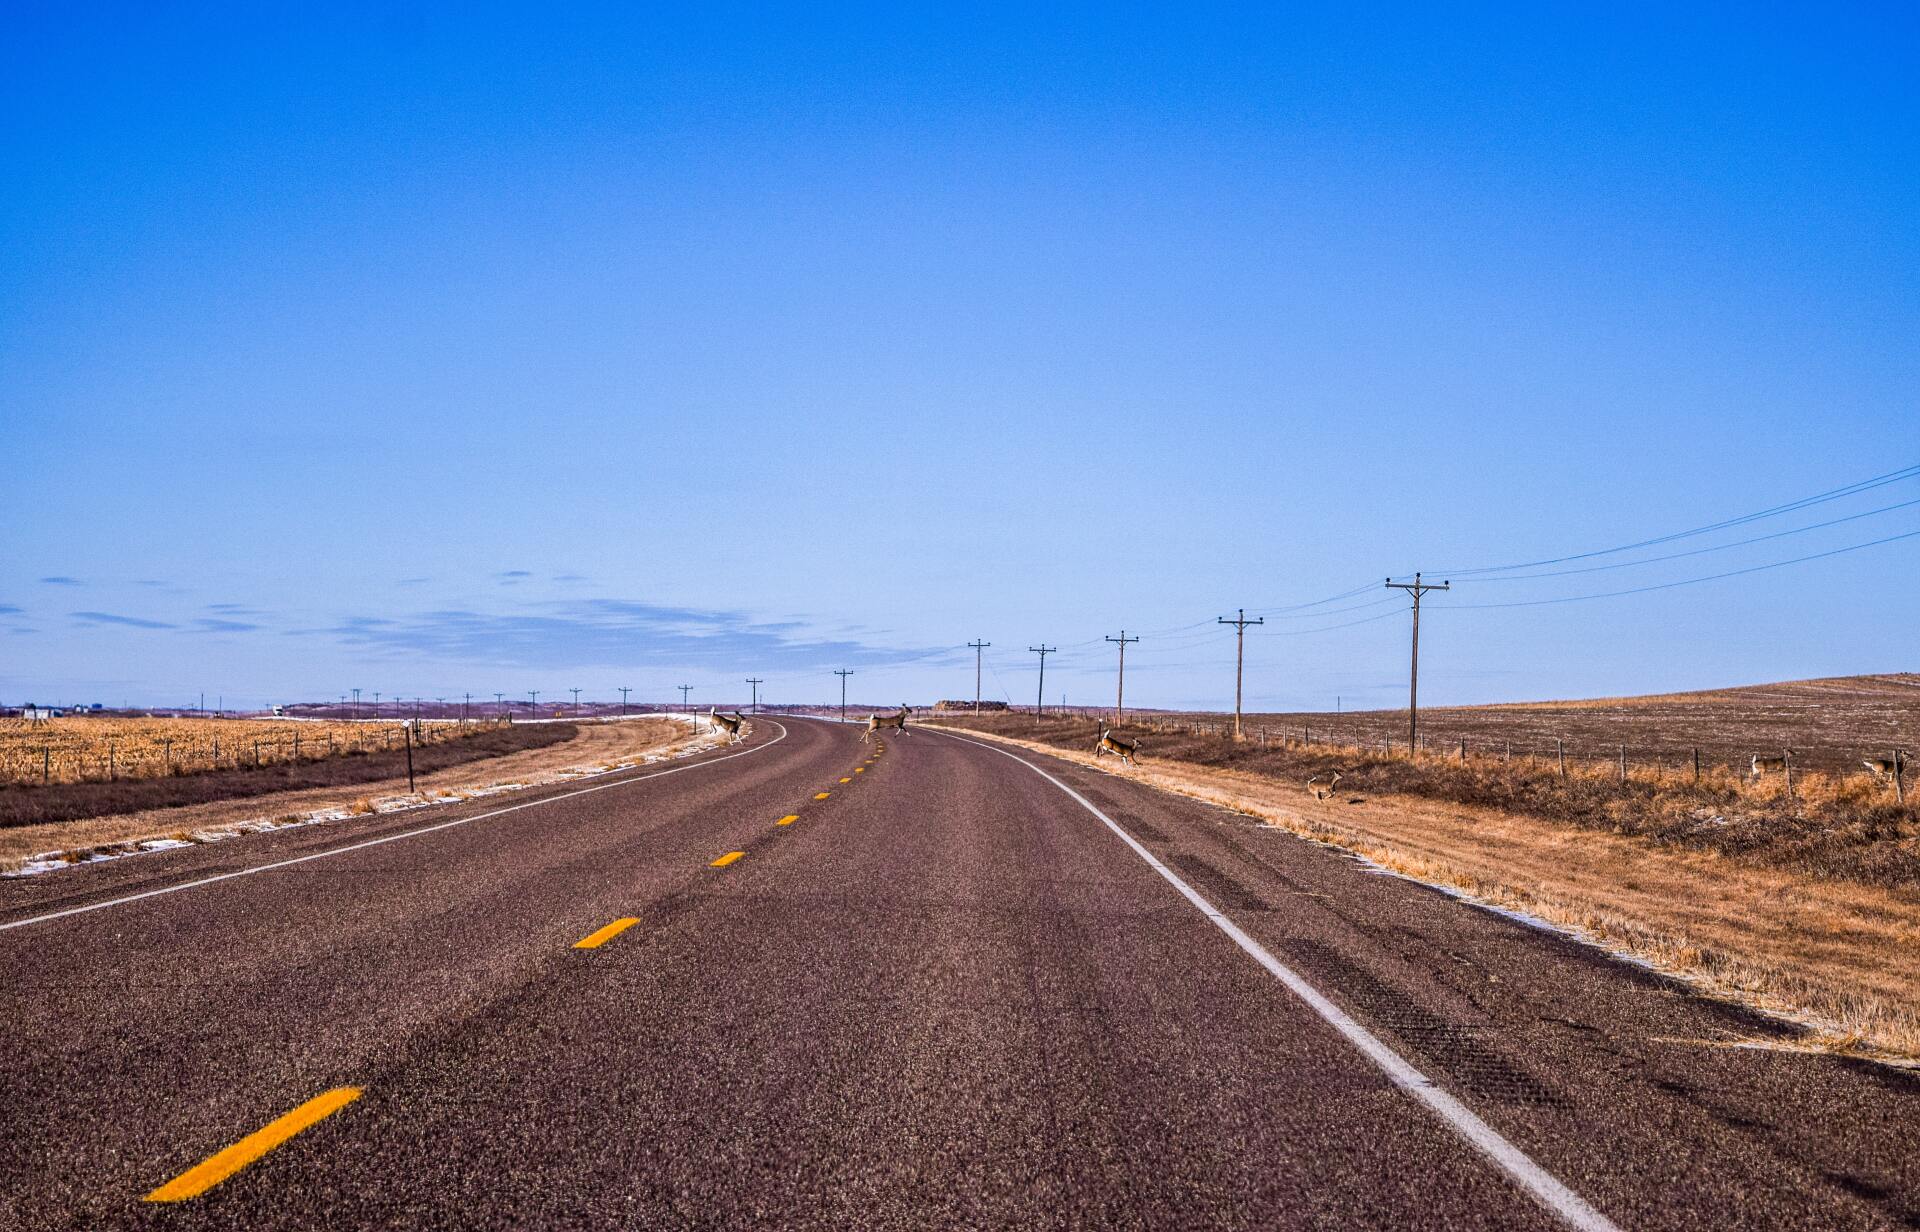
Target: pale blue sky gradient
(500, 349)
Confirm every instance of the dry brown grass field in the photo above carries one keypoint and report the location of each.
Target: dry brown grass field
(82, 749)
(1831, 725)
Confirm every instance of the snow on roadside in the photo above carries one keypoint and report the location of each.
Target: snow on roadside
(53, 861)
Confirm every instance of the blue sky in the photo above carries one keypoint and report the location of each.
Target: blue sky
(499, 349)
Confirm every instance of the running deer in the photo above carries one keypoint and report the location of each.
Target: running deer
(1886, 766)
(731, 722)
(1110, 743)
(898, 722)
(1322, 791)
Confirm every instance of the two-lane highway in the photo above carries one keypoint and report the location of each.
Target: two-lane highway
(815, 982)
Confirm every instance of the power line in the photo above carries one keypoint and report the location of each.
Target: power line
(1720, 547)
(1851, 489)
(1712, 577)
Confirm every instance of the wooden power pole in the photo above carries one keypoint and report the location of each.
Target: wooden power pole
(1120, 693)
(843, 690)
(977, 648)
(756, 682)
(1040, 697)
(1416, 588)
(1239, 623)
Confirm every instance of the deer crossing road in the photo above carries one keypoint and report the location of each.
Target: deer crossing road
(806, 981)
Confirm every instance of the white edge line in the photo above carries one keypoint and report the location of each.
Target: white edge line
(386, 838)
(1546, 1188)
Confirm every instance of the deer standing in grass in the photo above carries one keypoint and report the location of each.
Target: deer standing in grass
(1885, 766)
(877, 721)
(732, 723)
(1764, 765)
(1110, 743)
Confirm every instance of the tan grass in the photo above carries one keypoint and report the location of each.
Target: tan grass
(84, 748)
(596, 744)
(1839, 956)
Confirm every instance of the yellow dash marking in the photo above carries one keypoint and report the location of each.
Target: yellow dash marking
(788, 820)
(859, 769)
(595, 940)
(216, 1168)
(727, 859)
(822, 795)
(848, 779)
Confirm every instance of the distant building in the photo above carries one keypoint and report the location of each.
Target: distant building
(36, 714)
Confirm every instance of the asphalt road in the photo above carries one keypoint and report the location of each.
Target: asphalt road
(962, 989)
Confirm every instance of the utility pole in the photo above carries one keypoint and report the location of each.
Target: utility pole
(623, 699)
(756, 682)
(356, 703)
(1239, 623)
(977, 648)
(500, 702)
(576, 701)
(684, 690)
(843, 690)
(1416, 588)
(466, 702)
(533, 696)
(1040, 696)
(1120, 694)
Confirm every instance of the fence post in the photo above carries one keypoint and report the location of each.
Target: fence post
(1786, 761)
(109, 761)
(1899, 791)
(1463, 749)
(1560, 747)
(1696, 763)
(409, 732)
(46, 765)
(1623, 763)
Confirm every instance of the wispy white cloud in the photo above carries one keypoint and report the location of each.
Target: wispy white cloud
(108, 618)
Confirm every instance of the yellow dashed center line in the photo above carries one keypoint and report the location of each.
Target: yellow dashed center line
(788, 820)
(822, 795)
(595, 940)
(849, 779)
(859, 769)
(216, 1168)
(727, 859)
